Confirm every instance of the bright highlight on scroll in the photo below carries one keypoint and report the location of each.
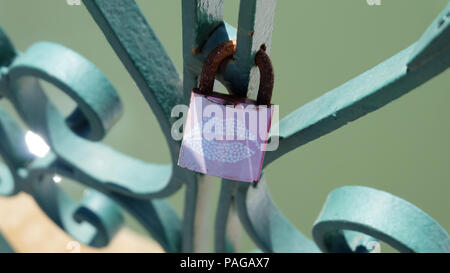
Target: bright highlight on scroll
(57, 179)
(36, 145)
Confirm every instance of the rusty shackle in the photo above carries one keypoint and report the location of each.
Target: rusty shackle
(226, 50)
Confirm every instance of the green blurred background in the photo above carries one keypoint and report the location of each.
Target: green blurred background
(317, 45)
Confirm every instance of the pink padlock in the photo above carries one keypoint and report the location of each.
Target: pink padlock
(226, 135)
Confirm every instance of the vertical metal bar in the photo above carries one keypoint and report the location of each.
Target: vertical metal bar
(224, 206)
(228, 227)
(255, 30)
(200, 19)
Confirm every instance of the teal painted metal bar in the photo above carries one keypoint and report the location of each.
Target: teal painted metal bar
(152, 70)
(4, 245)
(380, 215)
(369, 91)
(255, 31)
(200, 19)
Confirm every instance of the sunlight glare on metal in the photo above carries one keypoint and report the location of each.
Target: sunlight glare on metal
(36, 145)
(57, 179)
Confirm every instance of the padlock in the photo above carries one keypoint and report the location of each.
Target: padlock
(226, 135)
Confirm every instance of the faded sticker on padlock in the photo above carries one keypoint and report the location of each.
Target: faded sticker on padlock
(226, 151)
(225, 140)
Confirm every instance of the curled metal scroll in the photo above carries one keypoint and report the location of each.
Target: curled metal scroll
(82, 160)
(380, 215)
(119, 181)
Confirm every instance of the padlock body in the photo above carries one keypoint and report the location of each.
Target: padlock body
(225, 137)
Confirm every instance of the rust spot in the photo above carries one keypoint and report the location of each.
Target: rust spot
(263, 47)
(212, 64)
(195, 51)
(251, 34)
(266, 81)
(224, 52)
